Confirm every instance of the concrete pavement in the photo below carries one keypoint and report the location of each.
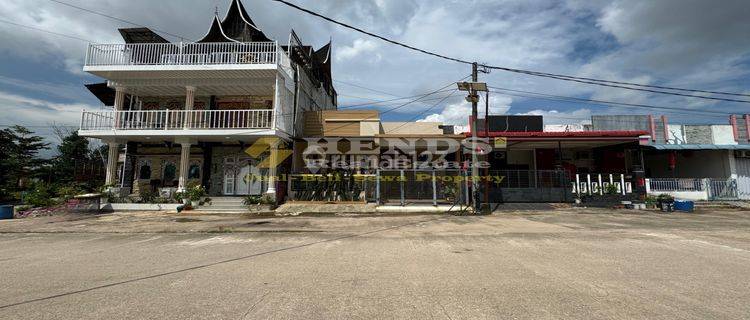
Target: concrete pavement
(526, 265)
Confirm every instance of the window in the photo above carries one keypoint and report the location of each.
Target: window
(145, 172)
(170, 173)
(194, 172)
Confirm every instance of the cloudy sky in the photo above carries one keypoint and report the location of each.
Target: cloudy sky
(686, 43)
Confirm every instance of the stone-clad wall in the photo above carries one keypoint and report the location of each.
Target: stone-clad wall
(697, 134)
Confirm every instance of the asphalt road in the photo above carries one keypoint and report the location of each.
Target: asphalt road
(535, 265)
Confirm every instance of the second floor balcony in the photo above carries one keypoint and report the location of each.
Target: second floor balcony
(173, 120)
(102, 59)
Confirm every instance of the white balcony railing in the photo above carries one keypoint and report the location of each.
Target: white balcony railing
(177, 120)
(167, 54)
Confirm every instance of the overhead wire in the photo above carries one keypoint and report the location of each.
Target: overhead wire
(592, 81)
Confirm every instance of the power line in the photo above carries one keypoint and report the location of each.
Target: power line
(601, 102)
(380, 102)
(371, 34)
(118, 19)
(366, 88)
(409, 102)
(573, 79)
(45, 31)
(425, 111)
(593, 81)
(621, 82)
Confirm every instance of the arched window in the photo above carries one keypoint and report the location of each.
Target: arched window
(194, 172)
(170, 173)
(144, 173)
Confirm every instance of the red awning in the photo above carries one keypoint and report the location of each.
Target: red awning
(570, 135)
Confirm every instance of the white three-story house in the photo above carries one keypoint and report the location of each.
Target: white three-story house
(184, 112)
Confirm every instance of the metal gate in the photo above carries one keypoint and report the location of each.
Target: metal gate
(743, 178)
(422, 186)
(722, 189)
(528, 186)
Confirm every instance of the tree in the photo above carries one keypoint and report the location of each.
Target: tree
(73, 151)
(6, 163)
(24, 158)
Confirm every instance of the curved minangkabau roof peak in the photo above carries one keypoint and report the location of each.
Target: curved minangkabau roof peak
(238, 25)
(216, 33)
(324, 53)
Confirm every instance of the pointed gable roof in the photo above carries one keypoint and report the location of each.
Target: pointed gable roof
(235, 27)
(324, 56)
(216, 33)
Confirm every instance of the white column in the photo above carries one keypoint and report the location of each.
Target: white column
(119, 104)
(112, 158)
(273, 161)
(277, 107)
(189, 103)
(184, 166)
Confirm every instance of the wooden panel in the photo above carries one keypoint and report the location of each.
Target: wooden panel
(341, 129)
(344, 122)
(350, 114)
(313, 124)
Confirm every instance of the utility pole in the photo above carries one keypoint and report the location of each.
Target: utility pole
(474, 128)
(473, 88)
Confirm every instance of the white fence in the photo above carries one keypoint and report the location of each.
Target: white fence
(134, 54)
(601, 183)
(176, 119)
(700, 189)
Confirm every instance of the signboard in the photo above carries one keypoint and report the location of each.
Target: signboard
(501, 143)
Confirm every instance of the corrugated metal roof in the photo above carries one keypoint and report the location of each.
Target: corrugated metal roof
(700, 146)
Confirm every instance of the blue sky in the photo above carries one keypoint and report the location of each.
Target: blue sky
(687, 43)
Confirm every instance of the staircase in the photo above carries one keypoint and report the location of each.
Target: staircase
(224, 205)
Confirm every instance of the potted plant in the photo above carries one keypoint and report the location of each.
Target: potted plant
(449, 191)
(664, 201)
(651, 202)
(194, 194)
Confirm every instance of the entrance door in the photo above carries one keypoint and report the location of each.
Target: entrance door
(229, 175)
(242, 176)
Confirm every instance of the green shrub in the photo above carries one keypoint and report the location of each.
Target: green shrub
(39, 195)
(148, 196)
(251, 200)
(195, 193)
(611, 188)
(665, 198)
(267, 200)
(69, 191)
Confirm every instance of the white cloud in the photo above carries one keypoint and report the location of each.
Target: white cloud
(459, 113)
(359, 47)
(40, 115)
(698, 44)
(579, 116)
